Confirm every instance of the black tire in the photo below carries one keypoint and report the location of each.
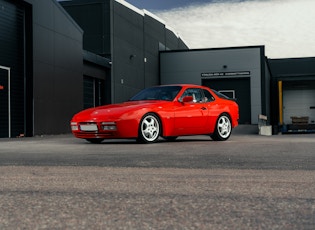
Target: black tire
(95, 140)
(149, 128)
(223, 128)
(170, 138)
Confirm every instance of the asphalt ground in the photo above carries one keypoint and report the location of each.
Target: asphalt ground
(247, 182)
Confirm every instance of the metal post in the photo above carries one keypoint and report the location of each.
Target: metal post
(280, 102)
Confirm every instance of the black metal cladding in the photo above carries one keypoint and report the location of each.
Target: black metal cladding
(12, 56)
(94, 18)
(4, 104)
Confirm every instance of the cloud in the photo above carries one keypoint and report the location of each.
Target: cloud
(285, 27)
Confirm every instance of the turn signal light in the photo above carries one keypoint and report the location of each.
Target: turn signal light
(109, 126)
(74, 126)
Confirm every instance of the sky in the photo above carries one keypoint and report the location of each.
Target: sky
(157, 5)
(284, 27)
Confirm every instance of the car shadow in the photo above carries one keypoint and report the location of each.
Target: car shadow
(161, 140)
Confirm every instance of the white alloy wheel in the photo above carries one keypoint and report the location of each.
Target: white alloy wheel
(223, 128)
(149, 128)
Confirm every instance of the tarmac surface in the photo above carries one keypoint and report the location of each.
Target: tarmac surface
(247, 182)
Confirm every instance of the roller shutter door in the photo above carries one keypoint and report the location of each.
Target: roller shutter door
(298, 103)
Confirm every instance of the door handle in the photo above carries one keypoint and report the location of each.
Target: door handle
(203, 108)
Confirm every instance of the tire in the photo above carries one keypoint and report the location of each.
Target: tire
(149, 128)
(95, 140)
(173, 138)
(223, 128)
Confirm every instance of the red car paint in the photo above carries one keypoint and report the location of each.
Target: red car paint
(178, 116)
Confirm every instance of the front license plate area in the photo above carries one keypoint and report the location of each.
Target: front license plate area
(89, 127)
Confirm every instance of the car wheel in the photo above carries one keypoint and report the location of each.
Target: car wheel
(149, 130)
(223, 128)
(95, 140)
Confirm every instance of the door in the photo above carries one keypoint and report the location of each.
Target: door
(191, 117)
(5, 103)
(298, 103)
(94, 93)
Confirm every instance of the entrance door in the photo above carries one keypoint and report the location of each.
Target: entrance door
(93, 90)
(237, 87)
(5, 103)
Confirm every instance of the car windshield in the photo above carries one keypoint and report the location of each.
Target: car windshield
(166, 93)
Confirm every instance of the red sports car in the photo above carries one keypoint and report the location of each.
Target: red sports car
(168, 111)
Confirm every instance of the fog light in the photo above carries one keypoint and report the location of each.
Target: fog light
(74, 126)
(109, 126)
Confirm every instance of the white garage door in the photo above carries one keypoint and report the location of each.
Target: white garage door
(298, 103)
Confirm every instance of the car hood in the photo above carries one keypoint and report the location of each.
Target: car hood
(116, 111)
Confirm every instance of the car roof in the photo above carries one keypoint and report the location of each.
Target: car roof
(183, 85)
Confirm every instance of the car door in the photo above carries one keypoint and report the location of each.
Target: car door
(191, 117)
(213, 109)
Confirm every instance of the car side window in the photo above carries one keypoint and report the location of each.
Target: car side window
(195, 93)
(208, 96)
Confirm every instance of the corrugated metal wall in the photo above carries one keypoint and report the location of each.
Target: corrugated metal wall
(12, 56)
(130, 37)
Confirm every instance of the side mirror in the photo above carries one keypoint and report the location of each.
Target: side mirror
(187, 99)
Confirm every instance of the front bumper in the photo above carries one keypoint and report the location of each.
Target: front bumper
(90, 130)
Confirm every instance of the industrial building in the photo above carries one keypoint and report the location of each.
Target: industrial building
(130, 38)
(293, 94)
(59, 57)
(283, 90)
(54, 63)
(41, 68)
(241, 73)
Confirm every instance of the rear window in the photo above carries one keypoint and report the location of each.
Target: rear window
(221, 95)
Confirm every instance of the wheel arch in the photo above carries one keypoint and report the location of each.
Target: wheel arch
(166, 123)
(228, 113)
